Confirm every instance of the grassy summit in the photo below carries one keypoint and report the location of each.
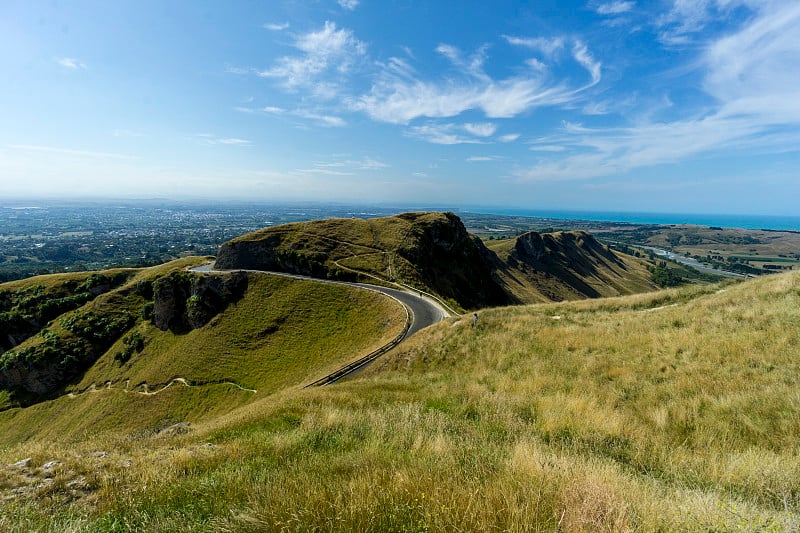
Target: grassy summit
(669, 411)
(434, 252)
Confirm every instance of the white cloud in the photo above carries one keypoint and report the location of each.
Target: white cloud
(209, 138)
(472, 65)
(399, 101)
(324, 120)
(511, 137)
(349, 4)
(596, 108)
(615, 8)
(752, 76)
(485, 129)
(548, 47)
(327, 51)
(70, 63)
(481, 158)
(345, 167)
(581, 54)
(755, 71)
(276, 26)
(440, 134)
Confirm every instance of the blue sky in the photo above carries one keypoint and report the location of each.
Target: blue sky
(626, 105)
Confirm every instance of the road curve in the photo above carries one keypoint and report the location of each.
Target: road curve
(423, 311)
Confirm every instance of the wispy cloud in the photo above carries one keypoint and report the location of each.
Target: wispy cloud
(485, 129)
(547, 47)
(440, 134)
(509, 138)
(276, 26)
(70, 63)
(581, 54)
(482, 158)
(751, 74)
(615, 8)
(208, 138)
(400, 99)
(322, 119)
(448, 133)
(350, 5)
(344, 167)
(325, 120)
(329, 51)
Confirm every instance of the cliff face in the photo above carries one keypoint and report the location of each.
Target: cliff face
(181, 301)
(435, 250)
(571, 265)
(454, 263)
(184, 301)
(576, 250)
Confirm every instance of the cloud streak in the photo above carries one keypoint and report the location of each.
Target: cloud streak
(70, 63)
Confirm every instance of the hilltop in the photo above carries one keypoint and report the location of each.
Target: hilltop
(434, 252)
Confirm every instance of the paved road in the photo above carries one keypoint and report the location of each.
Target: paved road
(424, 311)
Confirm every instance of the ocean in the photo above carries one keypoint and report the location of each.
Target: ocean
(772, 222)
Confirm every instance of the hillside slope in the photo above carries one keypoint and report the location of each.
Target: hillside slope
(434, 252)
(252, 331)
(567, 265)
(675, 410)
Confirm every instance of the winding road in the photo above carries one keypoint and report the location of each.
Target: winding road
(423, 311)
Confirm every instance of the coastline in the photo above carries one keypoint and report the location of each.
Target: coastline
(747, 222)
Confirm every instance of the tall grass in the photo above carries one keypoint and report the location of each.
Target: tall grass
(676, 411)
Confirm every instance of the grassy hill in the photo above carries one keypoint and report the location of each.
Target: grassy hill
(281, 333)
(566, 265)
(675, 410)
(434, 252)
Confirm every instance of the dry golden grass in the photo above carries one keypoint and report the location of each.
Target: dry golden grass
(673, 411)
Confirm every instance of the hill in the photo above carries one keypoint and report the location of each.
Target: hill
(253, 332)
(567, 265)
(674, 410)
(434, 252)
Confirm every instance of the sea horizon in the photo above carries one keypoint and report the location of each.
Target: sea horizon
(751, 222)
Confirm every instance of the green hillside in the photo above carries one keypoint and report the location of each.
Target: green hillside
(668, 411)
(434, 252)
(281, 333)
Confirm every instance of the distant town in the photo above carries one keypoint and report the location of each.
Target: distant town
(49, 237)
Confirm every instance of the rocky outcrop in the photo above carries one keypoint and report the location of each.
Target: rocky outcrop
(452, 262)
(576, 250)
(567, 258)
(183, 301)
